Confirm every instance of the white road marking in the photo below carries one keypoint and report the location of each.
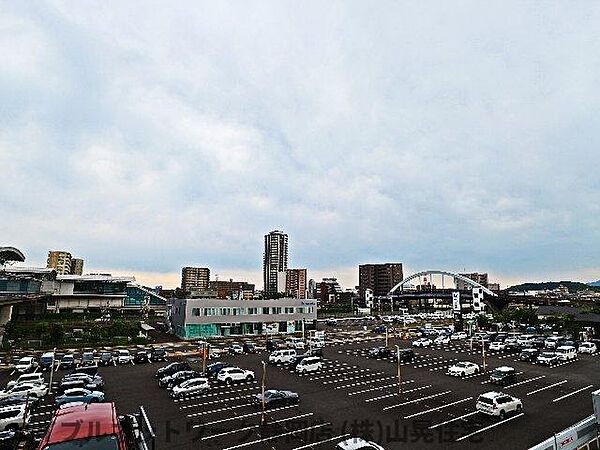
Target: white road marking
(439, 408)
(417, 400)
(453, 420)
(241, 417)
(529, 380)
(490, 426)
(225, 433)
(394, 394)
(212, 411)
(548, 387)
(277, 436)
(572, 393)
(379, 388)
(321, 442)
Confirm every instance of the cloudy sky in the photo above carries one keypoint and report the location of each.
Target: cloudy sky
(144, 136)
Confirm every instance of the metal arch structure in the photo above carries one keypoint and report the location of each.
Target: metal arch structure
(443, 273)
(10, 254)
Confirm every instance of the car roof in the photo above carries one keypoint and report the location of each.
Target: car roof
(505, 369)
(492, 394)
(352, 444)
(71, 391)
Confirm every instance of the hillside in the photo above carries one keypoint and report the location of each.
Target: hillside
(573, 286)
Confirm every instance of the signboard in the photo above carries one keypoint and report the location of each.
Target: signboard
(456, 301)
(477, 299)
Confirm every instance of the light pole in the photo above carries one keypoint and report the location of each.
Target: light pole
(52, 370)
(483, 352)
(399, 370)
(386, 336)
(263, 418)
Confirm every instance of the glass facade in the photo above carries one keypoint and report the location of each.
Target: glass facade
(135, 297)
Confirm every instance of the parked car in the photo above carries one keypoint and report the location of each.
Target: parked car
(587, 347)
(26, 364)
(192, 386)
(140, 357)
(498, 404)
(236, 349)
(158, 354)
(88, 370)
(95, 382)
(309, 364)
(67, 361)
(497, 346)
(282, 356)
(36, 377)
(123, 356)
(170, 369)
(566, 352)
(87, 359)
(47, 361)
(463, 368)
(503, 375)
(442, 339)
(277, 398)
(511, 343)
(547, 358)
(106, 359)
(529, 354)
(379, 352)
(249, 347)
(80, 396)
(379, 329)
(25, 389)
(553, 341)
(295, 343)
(275, 344)
(13, 418)
(230, 375)
(459, 335)
(15, 400)
(406, 355)
(422, 342)
(539, 342)
(178, 378)
(357, 443)
(213, 369)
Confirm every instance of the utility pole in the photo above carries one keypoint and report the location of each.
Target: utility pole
(399, 370)
(386, 336)
(483, 352)
(52, 371)
(204, 356)
(263, 417)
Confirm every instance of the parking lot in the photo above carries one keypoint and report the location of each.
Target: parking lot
(354, 395)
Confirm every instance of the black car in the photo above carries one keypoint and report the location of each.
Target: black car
(67, 362)
(529, 354)
(12, 439)
(87, 359)
(47, 361)
(106, 359)
(275, 344)
(172, 368)
(140, 357)
(15, 400)
(177, 378)
(406, 355)
(276, 398)
(88, 370)
(503, 376)
(158, 354)
(538, 342)
(249, 347)
(380, 352)
(212, 370)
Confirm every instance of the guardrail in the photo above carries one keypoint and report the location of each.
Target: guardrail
(582, 434)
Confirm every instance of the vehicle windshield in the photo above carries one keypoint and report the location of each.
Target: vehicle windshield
(489, 401)
(91, 443)
(500, 373)
(547, 355)
(462, 365)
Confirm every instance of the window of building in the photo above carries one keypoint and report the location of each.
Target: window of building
(310, 309)
(265, 310)
(300, 310)
(252, 311)
(289, 310)
(196, 312)
(276, 310)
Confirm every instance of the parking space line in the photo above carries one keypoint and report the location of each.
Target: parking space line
(212, 402)
(416, 400)
(453, 420)
(489, 426)
(550, 386)
(439, 408)
(243, 416)
(203, 413)
(529, 380)
(225, 433)
(322, 442)
(379, 388)
(394, 394)
(361, 383)
(277, 436)
(572, 393)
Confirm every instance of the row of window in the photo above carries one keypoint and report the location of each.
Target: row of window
(197, 312)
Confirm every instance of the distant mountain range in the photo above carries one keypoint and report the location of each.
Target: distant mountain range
(573, 286)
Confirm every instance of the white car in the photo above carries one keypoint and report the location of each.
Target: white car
(441, 339)
(458, 336)
(236, 349)
(310, 364)
(230, 375)
(497, 346)
(192, 386)
(525, 340)
(423, 342)
(587, 347)
(13, 417)
(566, 352)
(123, 357)
(26, 364)
(25, 389)
(498, 404)
(296, 343)
(552, 341)
(283, 356)
(357, 443)
(36, 377)
(463, 368)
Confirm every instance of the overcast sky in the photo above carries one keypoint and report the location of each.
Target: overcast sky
(144, 136)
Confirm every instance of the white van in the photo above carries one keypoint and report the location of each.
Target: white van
(282, 356)
(297, 343)
(310, 364)
(316, 343)
(566, 352)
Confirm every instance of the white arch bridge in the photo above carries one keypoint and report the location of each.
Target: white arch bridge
(443, 273)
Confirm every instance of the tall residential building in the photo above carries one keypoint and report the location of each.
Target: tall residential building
(481, 278)
(295, 283)
(379, 278)
(236, 290)
(59, 261)
(193, 278)
(76, 266)
(328, 291)
(312, 289)
(275, 261)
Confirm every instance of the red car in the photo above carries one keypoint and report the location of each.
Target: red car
(85, 426)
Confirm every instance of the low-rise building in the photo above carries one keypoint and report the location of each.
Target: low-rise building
(206, 317)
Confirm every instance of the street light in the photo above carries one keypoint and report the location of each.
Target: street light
(51, 371)
(263, 417)
(399, 370)
(386, 336)
(483, 352)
